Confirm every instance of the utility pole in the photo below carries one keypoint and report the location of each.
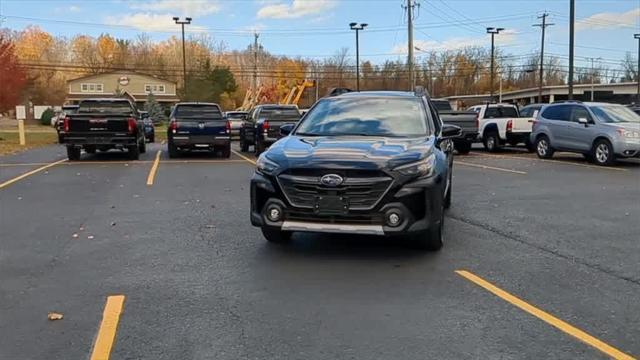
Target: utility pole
(255, 61)
(357, 27)
(493, 31)
(186, 21)
(637, 36)
(593, 74)
(543, 26)
(412, 76)
(572, 24)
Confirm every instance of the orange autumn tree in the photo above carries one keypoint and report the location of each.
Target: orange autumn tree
(12, 75)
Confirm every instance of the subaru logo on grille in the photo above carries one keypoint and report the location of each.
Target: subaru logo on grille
(332, 180)
(201, 125)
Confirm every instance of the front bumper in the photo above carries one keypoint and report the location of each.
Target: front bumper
(419, 204)
(627, 148)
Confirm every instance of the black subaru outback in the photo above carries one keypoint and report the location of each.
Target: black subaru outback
(376, 163)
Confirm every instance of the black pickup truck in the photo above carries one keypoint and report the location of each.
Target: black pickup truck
(103, 124)
(466, 120)
(262, 127)
(198, 126)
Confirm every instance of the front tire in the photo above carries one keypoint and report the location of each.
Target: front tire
(491, 141)
(276, 236)
(431, 240)
(143, 146)
(602, 153)
(73, 153)
(543, 148)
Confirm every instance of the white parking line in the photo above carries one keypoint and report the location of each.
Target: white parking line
(480, 166)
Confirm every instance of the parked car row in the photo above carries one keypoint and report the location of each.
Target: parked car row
(261, 128)
(104, 124)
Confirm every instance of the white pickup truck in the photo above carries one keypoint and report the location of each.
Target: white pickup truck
(501, 124)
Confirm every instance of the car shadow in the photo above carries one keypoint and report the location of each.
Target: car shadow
(331, 246)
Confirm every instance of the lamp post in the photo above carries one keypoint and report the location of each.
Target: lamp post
(637, 36)
(357, 27)
(186, 21)
(493, 31)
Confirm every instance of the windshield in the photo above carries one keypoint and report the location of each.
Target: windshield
(183, 112)
(374, 116)
(119, 107)
(501, 112)
(615, 114)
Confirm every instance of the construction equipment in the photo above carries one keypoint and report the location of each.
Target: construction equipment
(251, 98)
(296, 92)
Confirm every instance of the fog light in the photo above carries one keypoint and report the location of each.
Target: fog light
(274, 213)
(393, 219)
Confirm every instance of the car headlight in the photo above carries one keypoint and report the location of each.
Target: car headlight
(422, 168)
(629, 133)
(266, 166)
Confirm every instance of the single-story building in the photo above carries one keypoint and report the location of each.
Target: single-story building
(134, 85)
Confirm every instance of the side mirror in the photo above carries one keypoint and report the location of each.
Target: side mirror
(583, 121)
(450, 131)
(286, 129)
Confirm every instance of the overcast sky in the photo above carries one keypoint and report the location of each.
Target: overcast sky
(318, 28)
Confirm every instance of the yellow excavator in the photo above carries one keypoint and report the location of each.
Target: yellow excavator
(294, 96)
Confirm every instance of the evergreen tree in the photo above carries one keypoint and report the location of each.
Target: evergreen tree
(155, 110)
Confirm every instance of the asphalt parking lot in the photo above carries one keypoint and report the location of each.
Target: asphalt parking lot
(540, 261)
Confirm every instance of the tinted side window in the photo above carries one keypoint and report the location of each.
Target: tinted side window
(526, 112)
(580, 112)
(560, 113)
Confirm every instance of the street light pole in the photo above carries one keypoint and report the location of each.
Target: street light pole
(637, 36)
(186, 21)
(493, 31)
(572, 25)
(357, 27)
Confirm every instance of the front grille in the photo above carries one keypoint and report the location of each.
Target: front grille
(310, 216)
(360, 190)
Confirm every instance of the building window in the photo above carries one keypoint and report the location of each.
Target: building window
(154, 88)
(91, 88)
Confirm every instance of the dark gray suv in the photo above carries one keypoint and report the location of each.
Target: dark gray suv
(601, 132)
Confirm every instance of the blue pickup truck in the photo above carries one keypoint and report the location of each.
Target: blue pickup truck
(198, 126)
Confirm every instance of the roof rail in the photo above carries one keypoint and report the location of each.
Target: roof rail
(421, 91)
(567, 101)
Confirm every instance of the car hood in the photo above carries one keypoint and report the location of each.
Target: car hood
(348, 152)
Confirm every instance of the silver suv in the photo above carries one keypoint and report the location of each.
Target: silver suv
(601, 132)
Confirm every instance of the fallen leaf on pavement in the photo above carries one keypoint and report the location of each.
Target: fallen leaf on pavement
(75, 235)
(55, 316)
(90, 237)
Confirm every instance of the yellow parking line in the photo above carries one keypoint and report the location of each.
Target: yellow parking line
(490, 167)
(244, 157)
(545, 316)
(154, 169)
(108, 328)
(18, 178)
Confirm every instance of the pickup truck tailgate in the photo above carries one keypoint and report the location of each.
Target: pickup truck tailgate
(97, 124)
(521, 125)
(200, 129)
